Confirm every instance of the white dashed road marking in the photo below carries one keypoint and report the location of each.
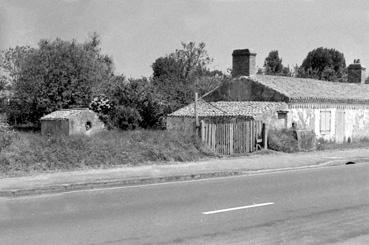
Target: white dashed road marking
(238, 208)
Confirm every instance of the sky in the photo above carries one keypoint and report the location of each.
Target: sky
(137, 32)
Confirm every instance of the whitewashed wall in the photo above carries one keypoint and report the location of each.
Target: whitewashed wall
(307, 116)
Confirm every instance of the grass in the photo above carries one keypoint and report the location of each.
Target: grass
(30, 152)
(330, 145)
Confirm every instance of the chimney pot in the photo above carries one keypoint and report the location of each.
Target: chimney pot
(244, 63)
(356, 73)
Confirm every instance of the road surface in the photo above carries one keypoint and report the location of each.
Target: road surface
(317, 206)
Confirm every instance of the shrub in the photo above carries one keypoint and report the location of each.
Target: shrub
(282, 140)
(126, 117)
(306, 140)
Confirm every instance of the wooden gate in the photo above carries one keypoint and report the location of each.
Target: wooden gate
(232, 138)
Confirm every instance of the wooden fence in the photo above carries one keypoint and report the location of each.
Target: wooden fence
(232, 138)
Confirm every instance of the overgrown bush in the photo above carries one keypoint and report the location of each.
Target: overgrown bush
(306, 140)
(283, 140)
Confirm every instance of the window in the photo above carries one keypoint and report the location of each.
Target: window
(325, 122)
(282, 115)
(88, 125)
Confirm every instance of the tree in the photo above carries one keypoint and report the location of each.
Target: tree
(273, 64)
(57, 75)
(286, 71)
(178, 75)
(11, 63)
(323, 64)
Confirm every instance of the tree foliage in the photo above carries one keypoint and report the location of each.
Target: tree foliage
(178, 75)
(323, 64)
(12, 61)
(273, 64)
(128, 104)
(58, 74)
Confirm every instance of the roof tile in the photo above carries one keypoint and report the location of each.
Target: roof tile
(229, 108)
(305, 89)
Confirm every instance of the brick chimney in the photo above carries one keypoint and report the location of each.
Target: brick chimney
(356, 73)
(243, 63)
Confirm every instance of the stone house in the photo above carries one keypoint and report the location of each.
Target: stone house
(227, 111)
(71, 122)
(333, 111)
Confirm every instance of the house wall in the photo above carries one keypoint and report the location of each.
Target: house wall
(272, 120)
(354, 120)
(77, 124)
(55, 127)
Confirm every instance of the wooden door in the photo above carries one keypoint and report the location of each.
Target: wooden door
(340, 126)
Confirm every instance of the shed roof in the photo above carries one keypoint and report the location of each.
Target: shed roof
(310, 90)
(229, 108)
(65, 114)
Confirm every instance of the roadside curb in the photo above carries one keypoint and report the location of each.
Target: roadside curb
(161, 179)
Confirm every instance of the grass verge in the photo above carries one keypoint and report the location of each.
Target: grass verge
(30, 152)
(330, 145)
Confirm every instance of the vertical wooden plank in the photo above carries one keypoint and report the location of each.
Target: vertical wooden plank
(213, 140)
(229, 135)
(246, 137)
(223, 138)
(240, 135)
(211, 136)
(265, 136)
(252, 136)
(231, 138)
(227, 138)
(202, 130)
(235, 138)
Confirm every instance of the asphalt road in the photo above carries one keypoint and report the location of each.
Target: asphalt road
(317, 206)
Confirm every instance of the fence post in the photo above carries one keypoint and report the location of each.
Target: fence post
(202, 131)
(230, 138)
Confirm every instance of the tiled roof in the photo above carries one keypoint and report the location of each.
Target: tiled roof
(309, 90)
(229, 108)
(64, 114)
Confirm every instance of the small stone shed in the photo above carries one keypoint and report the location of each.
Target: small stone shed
(71, 122)
(272, 113)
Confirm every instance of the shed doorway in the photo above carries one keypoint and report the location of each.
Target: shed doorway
(233, 137)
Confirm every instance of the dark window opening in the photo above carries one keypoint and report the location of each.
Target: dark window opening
(282, 115)
(88, 125)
